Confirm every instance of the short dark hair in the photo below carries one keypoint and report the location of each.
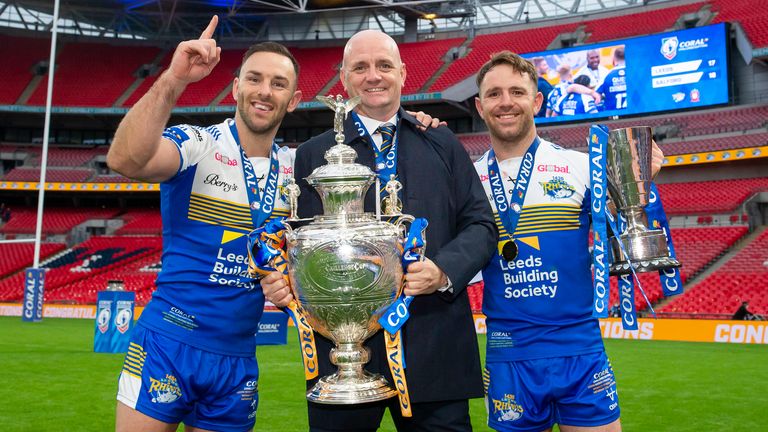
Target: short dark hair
(583, 80)
(272, 47)
(519, 64)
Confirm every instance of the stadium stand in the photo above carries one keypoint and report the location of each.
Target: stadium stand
(15, 257)
(742, 278)
(55, 220)
(52, 175)
(139, 222)
(17, 74)
(624, 26)
(750, 14)
(318, 67)
(716, 196)
(76, 274)
(93, 74)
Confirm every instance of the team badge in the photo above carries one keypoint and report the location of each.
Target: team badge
(164, 390)
(506, 408)
(508, 249)
(557, 188)
(669, 47)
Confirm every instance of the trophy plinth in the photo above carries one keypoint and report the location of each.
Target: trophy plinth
(345, 270)
(628, 166)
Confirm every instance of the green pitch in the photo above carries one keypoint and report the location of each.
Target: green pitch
(52, 381)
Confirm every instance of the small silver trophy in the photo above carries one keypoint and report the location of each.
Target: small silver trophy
(628, 167)
(345, 270)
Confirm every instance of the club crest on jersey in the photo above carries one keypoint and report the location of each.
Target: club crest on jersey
(165, 390)
(506, 408)
(557, 188)
(282, 190)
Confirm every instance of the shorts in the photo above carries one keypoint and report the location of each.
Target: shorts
(174, 382)
(533, 395)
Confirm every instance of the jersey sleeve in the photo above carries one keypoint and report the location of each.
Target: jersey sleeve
(191, 142)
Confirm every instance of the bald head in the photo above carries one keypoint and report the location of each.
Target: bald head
(370, 38)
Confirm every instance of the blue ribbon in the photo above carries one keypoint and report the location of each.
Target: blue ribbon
(385, 164)
(510, 211)
(671, 282)
(397, 313)
(260, 204)
(598, 140)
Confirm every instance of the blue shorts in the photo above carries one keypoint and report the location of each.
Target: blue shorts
(174, 382)
(533, 395)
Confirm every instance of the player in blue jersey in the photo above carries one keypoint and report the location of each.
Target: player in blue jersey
(571, 104)
(545, 360)
(192, 358)
(565, 86)
(614, 87)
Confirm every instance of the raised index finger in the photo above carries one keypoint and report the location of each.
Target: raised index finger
(208, 32)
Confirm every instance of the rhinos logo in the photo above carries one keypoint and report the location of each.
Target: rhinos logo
(506, 409)
(165, 390)
(557, 188)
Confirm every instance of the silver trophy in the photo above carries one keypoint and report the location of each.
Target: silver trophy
(345, 270)
(628, 166)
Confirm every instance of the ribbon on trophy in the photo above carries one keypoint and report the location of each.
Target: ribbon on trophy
(671, 282)
(397, 314)
(266, 254)
(602, 220)
(598, 140)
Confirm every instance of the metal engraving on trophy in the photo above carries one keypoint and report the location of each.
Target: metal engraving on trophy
(345, 269)
(628, 167)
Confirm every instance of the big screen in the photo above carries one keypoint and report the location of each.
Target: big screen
(661, 72)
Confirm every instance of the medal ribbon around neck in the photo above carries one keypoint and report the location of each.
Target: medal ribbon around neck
(386, 164)
(510, 211)
(260, 204)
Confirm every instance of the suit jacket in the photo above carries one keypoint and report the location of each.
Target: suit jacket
(441, 185)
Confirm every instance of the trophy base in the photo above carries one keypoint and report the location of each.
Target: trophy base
(647, 252)
(337, 390)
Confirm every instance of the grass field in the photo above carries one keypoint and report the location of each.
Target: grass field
(52, 381)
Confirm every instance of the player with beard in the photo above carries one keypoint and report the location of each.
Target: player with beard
(545, 360)
(191, 357)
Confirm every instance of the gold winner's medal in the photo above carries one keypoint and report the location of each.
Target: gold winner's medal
(509, 250)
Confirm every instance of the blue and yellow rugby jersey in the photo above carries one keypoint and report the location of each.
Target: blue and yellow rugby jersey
(540, 304)
(204, 296)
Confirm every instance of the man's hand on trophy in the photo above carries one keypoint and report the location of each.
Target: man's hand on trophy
(657, 159)
(194, 59)
(426, 120)
(276, 289)
(424, 277)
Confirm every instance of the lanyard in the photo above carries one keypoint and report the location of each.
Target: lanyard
(509, 212)
(261, 204)
(386, 164)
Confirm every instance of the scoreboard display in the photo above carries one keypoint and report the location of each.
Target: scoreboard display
(660, 72)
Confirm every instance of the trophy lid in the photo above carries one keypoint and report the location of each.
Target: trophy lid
(341, 168)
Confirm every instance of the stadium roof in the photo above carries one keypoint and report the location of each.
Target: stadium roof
(258, 19)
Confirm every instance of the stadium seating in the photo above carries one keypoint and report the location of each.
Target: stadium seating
(141, 222)
(26, 53)
(318, 67)
(750, 14)
(624, 26)
(52, 175)
(742, 278)
(93, 74)
(55, 220)
(15, 257)
(717, 196)
(75, 275)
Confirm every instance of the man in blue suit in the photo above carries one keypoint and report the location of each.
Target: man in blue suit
(439, 184)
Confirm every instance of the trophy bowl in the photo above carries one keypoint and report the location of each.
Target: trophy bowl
(628, 168)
